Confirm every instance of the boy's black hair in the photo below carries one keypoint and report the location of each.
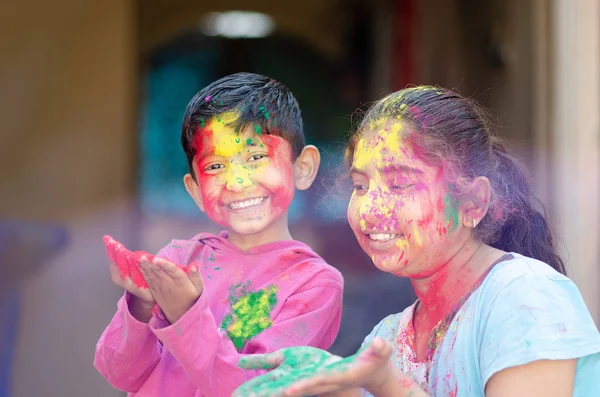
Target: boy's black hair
(261, 101)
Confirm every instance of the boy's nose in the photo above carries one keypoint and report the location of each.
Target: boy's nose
(238, 181)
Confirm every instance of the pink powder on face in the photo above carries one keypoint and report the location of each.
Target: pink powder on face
(279, 150)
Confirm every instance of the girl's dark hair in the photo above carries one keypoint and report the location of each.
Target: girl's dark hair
(454, 133)
(260, 100)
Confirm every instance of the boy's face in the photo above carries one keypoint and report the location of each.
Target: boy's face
(246, 179)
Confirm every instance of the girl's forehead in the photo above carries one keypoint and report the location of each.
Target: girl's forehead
(379, 146)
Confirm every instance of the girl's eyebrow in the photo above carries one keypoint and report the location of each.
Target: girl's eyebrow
(400, 168)
(354, 170)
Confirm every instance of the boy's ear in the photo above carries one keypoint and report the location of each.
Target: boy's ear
(193, 188)
(477, 202)
(306, 167)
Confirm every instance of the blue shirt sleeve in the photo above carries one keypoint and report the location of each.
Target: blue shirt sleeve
(534, 317)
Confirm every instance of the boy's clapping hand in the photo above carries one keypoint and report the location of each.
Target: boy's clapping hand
(153, 281)
(174, 288)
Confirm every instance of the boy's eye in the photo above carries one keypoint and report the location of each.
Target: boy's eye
(256, 157)
(213, 167)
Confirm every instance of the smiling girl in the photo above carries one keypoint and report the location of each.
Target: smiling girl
(438, 200)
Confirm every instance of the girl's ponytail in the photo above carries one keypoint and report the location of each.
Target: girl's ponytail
(524, 230)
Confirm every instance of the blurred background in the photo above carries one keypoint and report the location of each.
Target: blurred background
(92, 98)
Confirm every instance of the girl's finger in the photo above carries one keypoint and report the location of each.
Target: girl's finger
(315, 386)
(261, 361)
(256, 385)
(377, 353)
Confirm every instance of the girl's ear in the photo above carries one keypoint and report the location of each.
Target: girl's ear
(477, 201)
(306, 167)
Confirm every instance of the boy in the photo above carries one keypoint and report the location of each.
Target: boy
(252, 288)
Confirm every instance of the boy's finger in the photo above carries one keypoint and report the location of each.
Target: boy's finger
(168, 267)
(148, 274)
(196, 278)
(261, 361)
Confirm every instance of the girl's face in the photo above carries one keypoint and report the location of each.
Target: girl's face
(401, 211)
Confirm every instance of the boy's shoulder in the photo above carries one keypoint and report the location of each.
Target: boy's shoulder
(301, 259)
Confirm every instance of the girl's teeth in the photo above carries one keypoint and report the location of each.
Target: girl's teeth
(246, 203)
(382, 236)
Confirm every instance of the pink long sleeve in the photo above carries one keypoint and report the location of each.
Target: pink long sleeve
(311, 316)
(127, 351)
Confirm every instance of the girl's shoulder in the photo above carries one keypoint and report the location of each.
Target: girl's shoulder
(520, 271)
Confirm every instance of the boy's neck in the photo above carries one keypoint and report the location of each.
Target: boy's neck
(439, 292)
(276, 231)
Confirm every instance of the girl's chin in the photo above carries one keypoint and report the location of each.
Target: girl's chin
(394, 263)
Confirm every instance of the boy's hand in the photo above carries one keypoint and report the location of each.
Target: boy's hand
(128, 285)
(175, 289)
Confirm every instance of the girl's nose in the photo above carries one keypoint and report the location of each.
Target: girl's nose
(375, 208)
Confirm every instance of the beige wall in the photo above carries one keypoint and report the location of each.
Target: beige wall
(66, 156)
(66, 105)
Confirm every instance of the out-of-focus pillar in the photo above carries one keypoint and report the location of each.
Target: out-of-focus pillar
(574, 140)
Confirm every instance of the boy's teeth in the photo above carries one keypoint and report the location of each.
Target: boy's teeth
(382, 236)
(246, 203)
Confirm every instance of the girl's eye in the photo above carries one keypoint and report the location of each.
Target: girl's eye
(213, 167)
(403, 186)
(256, 157)
(360, 188)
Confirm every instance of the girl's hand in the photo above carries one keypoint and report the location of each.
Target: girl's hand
(302, 371)
(174, 290)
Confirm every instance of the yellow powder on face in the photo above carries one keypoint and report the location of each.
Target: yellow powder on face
(226, 141)
(402, 243)
(372, 150)
(418, 240)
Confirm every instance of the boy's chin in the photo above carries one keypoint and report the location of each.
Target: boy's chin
(248, 227)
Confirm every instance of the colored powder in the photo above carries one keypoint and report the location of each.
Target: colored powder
(265, 112)
(298, 363)
(217, 268)
(249, 142)
(451, 211)
(226, 142)
(418, 239)
(250, 315)
(257, 129)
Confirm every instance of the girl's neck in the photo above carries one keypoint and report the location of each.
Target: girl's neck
(439, 292)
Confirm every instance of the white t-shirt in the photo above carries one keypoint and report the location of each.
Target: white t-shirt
(522, 311)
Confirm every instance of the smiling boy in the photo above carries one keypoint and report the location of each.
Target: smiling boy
(251, 288)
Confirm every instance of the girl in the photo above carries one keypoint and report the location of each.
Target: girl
(438, 200)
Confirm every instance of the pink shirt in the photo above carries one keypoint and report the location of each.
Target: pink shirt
(297, 293)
